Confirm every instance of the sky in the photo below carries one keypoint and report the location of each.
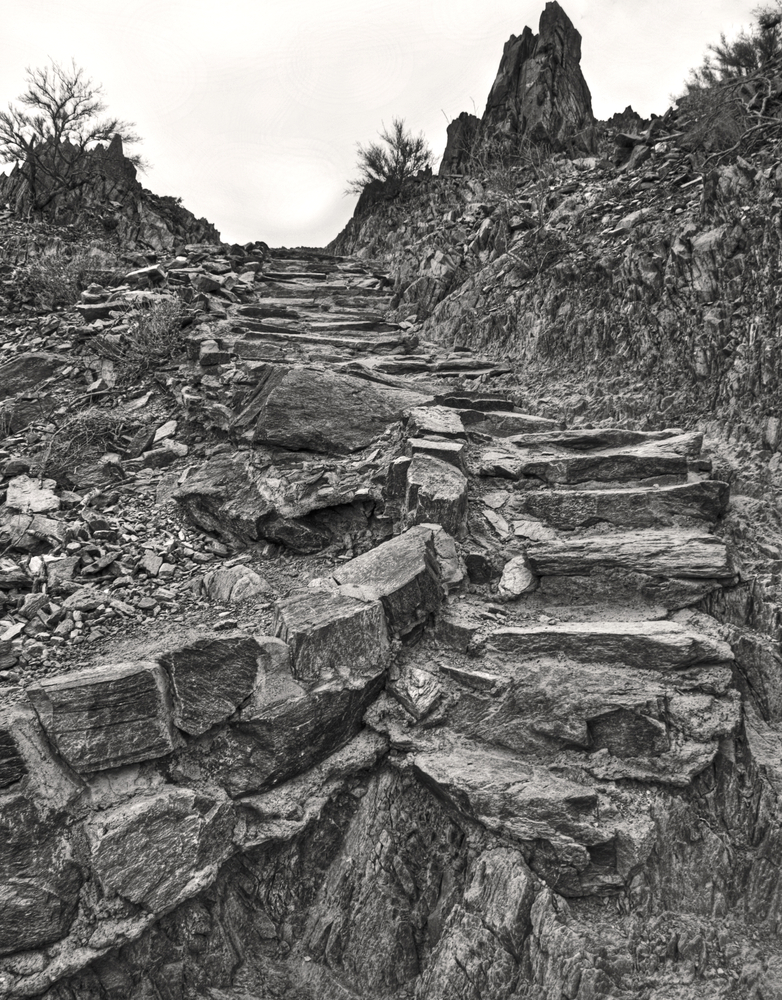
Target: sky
(251, 110)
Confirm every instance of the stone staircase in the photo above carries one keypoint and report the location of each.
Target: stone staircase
(521, 647)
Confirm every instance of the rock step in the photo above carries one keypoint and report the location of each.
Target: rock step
(647, 724)
(598, 438)
(645, 507)
(680, 554)
(300, 337)
(292, 289)
(614, 466)
(285, 275)
(592, 846)
(504, 423)
(351, 323)
(652, 645)
(417, 365)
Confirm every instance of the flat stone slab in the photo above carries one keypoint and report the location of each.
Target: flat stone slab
(436, 494)
(614, 465)
(632, 508)
(655, 553)
(32, 496)
(404, 574)
(331, 634)
(448, 451)
(301, 407)
(651, 645)
(107, 716)
(444, 420)
(593, 438)
(505, 423)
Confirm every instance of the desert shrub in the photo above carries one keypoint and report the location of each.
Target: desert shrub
(57, 276)
(153, 338)
(396, 158)
(80, 437)
(731, 104)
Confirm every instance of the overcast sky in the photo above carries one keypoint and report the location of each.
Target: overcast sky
(250, 110)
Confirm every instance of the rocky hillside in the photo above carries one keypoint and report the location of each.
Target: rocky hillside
(655, 258)
(105, 192)
(367, 631)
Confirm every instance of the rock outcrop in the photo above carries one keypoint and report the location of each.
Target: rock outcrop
(104, 191)
(539, 101)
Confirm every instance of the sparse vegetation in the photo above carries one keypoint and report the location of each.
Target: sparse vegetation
(751, 52)
(57, 276)
(83, 436)
(731, 102)
(154, 337)
(399, 156)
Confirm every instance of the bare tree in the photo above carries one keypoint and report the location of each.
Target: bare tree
(57, 120)
(399, 155)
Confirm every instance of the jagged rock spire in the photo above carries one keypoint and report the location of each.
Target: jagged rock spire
(539, 95)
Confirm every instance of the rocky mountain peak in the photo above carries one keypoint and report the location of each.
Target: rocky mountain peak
(539, 96)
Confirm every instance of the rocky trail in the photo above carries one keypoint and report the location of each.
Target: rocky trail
(339, 675)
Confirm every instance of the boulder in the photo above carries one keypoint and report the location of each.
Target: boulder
(155, 851)
(446, 451)
(517, 578)
(108, 716)
(12, 574)
(232, 584)
(210, 678)
(331, 634)
(32, 496)
(404, 573)
(436, 494)
(238, 499)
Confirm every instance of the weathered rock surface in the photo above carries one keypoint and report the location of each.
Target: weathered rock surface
(238, 498)
(210, 679)
(332, 634)
(103, 185)
(108, 716)
(658, 553)
(631, 508)
(561, 790)
(436, 494)
(656, 645)
(404, 574)
(321, 410)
